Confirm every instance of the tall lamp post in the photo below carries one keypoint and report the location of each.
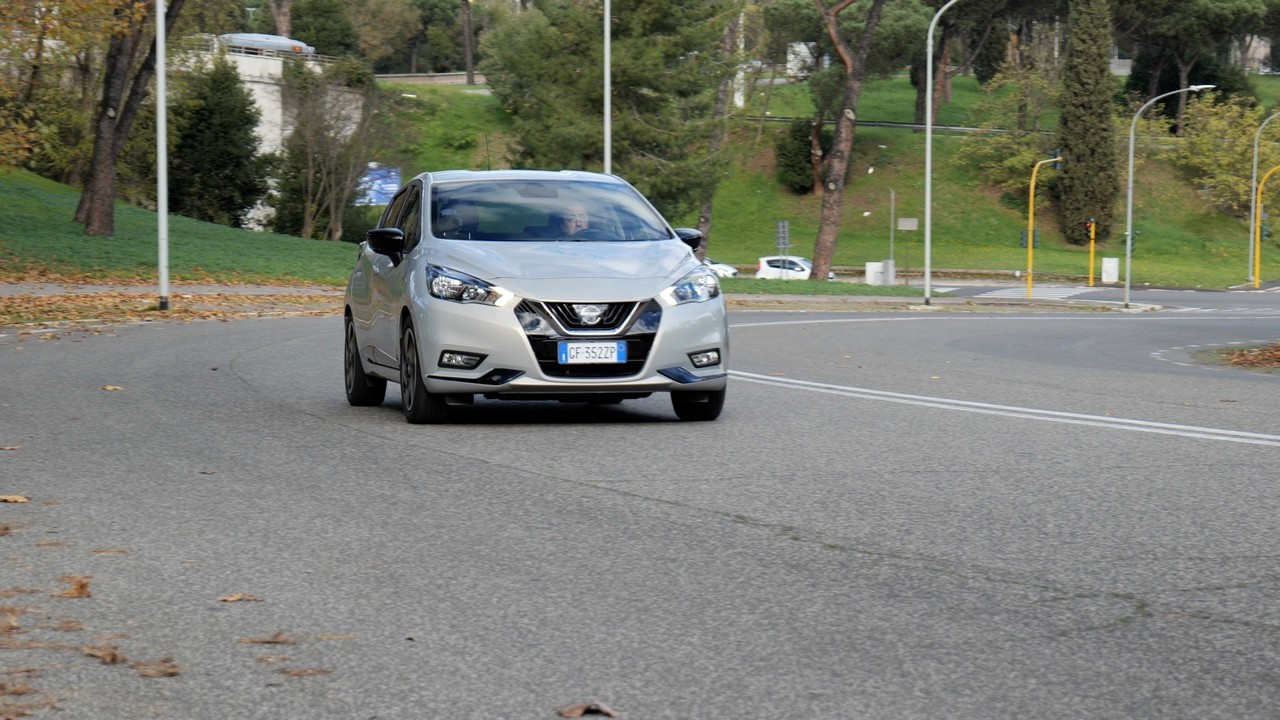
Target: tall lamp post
(608, 88)
(162, 158)
(1253, 189)
(1128, 212)
(1031, 220)
(928, 154)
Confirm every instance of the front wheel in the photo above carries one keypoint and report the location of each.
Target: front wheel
(420, 406)
(362, 390)
(698, 406)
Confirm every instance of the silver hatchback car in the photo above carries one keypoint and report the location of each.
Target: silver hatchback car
(532, 285)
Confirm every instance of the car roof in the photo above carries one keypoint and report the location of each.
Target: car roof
(546, 175)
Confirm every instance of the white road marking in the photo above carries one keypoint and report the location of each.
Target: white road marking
(1190, 431)
(1038, 293)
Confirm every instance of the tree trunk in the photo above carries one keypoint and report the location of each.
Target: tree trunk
(855, 62)
(468, 42)
(414, 46)
(282, 13)
(115, 117)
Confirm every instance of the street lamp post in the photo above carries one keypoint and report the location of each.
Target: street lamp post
(162, 158)
(1256, 245)
(608, 88)
(1128, 212)
(1031, 221)
(928, 154)
(1253, 189)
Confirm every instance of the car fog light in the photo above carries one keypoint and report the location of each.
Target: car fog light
(466, 361)
(706, 358)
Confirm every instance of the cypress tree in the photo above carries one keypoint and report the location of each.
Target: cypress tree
(216, 173)
(1089, 180)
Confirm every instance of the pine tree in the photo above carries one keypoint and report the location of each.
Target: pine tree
(216, 173)
(1089, 181)
(546, 66)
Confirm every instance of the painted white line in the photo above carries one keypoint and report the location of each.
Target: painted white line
(1191, 431)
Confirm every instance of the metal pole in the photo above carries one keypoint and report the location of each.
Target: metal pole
(1031, 222)
(1257, 230)
(928, 153)
(162, 157)
(608, 88)
(1128, 213)
(1253, 187)
(893, 214)
(1093, 236)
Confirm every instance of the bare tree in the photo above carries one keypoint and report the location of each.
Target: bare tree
(855, 66)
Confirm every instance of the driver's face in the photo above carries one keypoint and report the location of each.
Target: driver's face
(576, 219)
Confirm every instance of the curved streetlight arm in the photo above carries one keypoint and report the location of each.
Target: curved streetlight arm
(928, 153)
(1253, 188)
(1128, 216)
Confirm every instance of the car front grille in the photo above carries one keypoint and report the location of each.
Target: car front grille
(547, 324)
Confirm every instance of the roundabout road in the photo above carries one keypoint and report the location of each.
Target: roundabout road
(899, 515)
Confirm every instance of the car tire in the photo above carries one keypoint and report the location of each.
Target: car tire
(420, 406)
(362, 390)
(698, 406)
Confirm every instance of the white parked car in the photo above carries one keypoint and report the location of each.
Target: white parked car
(787, 267)
(721, 269)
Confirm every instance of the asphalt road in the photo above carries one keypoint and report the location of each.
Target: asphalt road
(899, 515)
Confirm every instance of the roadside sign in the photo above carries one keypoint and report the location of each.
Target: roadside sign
(784, 235)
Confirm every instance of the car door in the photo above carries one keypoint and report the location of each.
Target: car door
(387, 282)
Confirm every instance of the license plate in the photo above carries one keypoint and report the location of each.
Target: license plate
(584, 353)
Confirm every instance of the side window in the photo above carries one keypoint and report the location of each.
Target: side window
(389, 215)
(411, 219)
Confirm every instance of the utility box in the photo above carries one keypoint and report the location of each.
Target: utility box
(875, 273)
(889, 272)
(1110, 270)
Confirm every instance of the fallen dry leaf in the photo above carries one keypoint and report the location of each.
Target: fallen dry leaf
(33, 645)
(14, 592)
(112, 387)
(16, 688)
(30, 671)
(110, 551)
(270, 659)
(5, 530)
(303, 672)
(278, 639)
(14, 499)
(79, 586)
(577, 711)
(11, 447)
(51, 543)
(238, 597)
(164, 667)
(335, 637)
(108, 654)
(68, 625)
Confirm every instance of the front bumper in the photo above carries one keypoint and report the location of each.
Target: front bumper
(517, 342)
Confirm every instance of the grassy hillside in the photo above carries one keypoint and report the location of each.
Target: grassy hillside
(1182, 240)
(39, 237)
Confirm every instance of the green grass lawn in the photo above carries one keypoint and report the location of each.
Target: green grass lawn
(38, 235)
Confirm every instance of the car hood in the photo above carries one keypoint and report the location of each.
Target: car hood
(572, 270)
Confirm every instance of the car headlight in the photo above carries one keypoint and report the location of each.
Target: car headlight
(460, 287)
(698, 286)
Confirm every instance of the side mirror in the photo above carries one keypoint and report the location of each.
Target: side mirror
(691, 237)
(386, 241)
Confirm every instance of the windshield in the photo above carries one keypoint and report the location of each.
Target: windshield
(524, 210)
